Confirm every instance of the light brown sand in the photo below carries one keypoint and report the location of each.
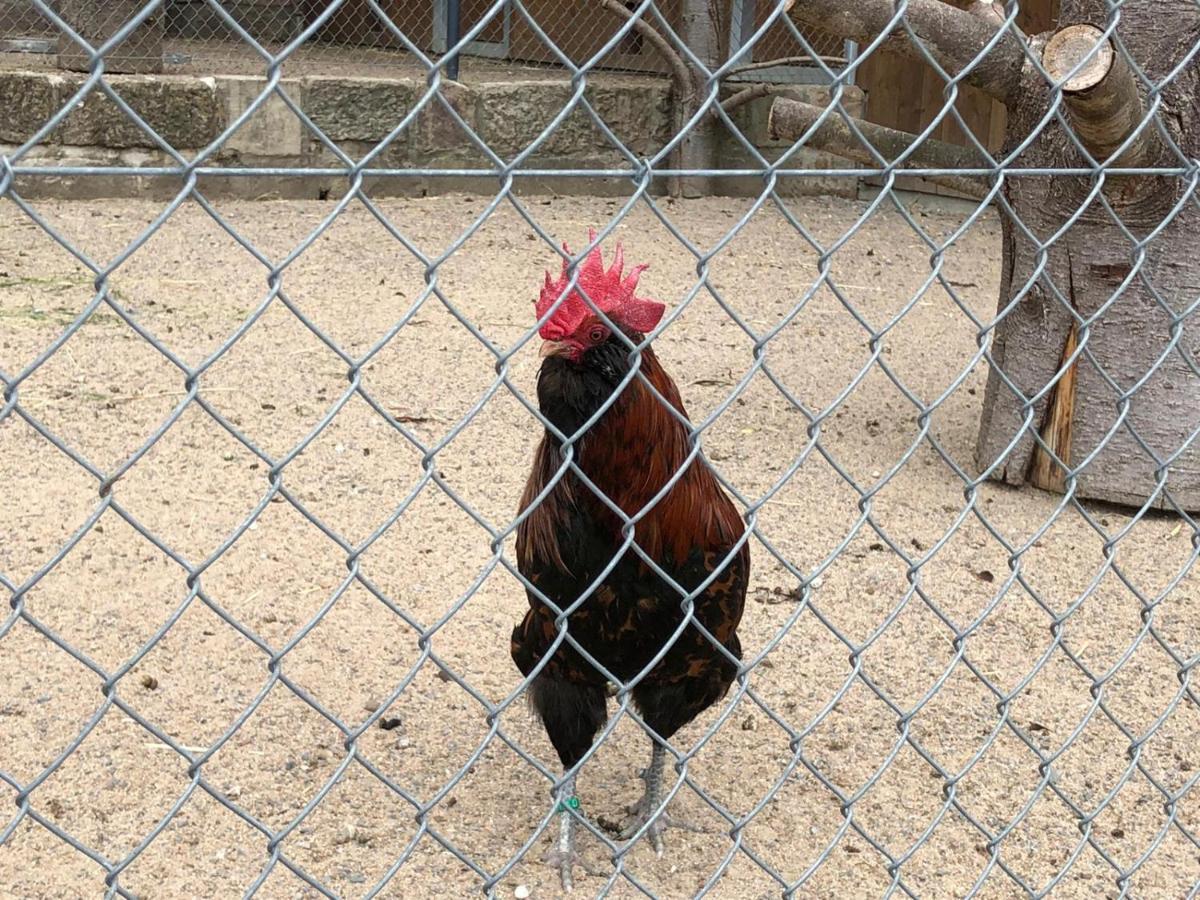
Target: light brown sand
(106, 390)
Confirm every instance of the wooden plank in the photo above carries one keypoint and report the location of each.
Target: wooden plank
(355, 23)
(579, 29)
(907, 94)
(474, 10)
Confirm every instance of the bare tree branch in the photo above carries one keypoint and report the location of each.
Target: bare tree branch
(686, 89)
(681, 74)
(1101, 96)
(782, 61)
(747, 95)
(791, 119)
(955, 39)
(990, 11)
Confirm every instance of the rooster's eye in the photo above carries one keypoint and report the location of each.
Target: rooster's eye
(597, 334)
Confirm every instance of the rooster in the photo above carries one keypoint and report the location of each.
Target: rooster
(568, 540)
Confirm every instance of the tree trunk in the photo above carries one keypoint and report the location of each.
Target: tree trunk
(1094, 360)
(1086, 326)
(98, 20)
(955, 38)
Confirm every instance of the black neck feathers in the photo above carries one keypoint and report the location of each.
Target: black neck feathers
(569, 393)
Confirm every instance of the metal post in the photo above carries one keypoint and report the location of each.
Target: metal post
(742, 17)
(851, 54)
(453, 34)
(698, 149)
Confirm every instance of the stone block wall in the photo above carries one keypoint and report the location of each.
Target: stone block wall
(356, 116)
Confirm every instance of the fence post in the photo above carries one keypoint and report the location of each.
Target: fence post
(453, 34)
(98, 20)
(698, 149)
(742, 16)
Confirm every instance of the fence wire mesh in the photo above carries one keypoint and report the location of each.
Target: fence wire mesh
(202, 39)
(263, 462)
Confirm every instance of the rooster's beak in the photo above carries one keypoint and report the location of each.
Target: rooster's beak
(554, 348)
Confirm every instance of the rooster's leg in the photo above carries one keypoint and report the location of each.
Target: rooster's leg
(647, 809)
(572, 714)
(563, 855)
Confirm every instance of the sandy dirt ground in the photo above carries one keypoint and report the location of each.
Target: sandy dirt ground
(814, 766)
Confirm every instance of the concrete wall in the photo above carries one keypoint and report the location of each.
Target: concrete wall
(355, 115)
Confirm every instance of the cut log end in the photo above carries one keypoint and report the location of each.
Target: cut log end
(1069, 48)
(1046, 465)
(1101, 95)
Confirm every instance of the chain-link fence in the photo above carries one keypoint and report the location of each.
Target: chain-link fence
(263, 536)
(203, 38)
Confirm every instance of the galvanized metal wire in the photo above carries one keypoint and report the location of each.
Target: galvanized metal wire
(273, 43)
(201, 40)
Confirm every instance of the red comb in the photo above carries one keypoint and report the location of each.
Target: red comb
(611, 291)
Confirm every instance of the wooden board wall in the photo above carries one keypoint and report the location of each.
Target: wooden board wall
(908, 95)
(356, 24)
(580, 28)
